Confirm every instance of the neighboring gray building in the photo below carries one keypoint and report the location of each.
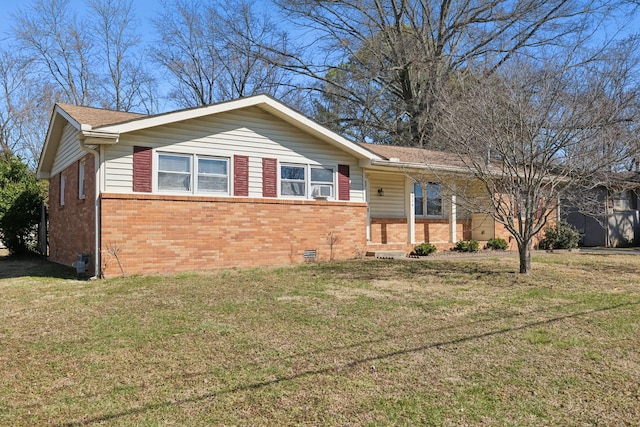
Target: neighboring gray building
(613, 218)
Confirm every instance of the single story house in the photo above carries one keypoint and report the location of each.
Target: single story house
(611, 217)
(248, 182)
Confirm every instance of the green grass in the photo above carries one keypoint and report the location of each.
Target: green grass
(373, 343)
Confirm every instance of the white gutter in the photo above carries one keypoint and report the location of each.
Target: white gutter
(407, 165)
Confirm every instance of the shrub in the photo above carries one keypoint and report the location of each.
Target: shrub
(562, 236)
(20, 199)
(497, 244)
(467, 246)
(424, 249)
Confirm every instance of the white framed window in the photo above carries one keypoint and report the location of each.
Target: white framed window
(322, 182)
(174, 172)
(63, 182)
(428, 199)
(307, 181)
(293, 180)
(81, 180)
(190, 173)
(213, 175)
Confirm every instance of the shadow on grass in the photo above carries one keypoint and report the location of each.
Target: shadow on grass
(33, 266)
(350, 365)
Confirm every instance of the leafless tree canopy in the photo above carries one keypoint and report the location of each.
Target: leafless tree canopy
(50, 32)
(370, 69)
(126, 84)
(380, 65)
(541, 130)
(218, 51)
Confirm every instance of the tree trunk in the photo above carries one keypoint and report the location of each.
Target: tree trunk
(524, 250)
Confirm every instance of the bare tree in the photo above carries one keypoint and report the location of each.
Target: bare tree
(186, 49)
(23, 120)
(126, 81)
(539, 130)
(49, 32)
(249, 67)
(385, 62)
(215, 52)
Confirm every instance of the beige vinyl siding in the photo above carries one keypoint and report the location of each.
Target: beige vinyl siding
(250, 132)
(392, 204)
(482, 227)
(69, 150)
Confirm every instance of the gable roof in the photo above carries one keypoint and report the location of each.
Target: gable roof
(104, 127)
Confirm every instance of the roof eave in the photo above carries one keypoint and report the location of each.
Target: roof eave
(419, 166)
(56, 125)
(99, 138)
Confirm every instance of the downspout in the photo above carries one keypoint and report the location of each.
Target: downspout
(96, 208)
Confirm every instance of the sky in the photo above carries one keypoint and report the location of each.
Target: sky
(144, 10)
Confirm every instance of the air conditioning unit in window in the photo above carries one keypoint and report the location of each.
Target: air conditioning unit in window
(322, 191)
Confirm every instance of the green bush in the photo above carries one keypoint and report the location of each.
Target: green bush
(424, 249)
(562, 236)
(497, 244)
(20, 199)
(467, 246)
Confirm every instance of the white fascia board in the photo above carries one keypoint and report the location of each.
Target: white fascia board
(178, 116)
(267, 103)
(100, 137)
(306, 124)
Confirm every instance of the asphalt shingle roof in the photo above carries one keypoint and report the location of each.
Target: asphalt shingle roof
(416, 155)
(97, 117)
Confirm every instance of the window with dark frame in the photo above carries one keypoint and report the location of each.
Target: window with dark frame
(428, 199)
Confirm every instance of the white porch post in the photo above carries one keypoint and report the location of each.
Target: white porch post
(453, 217)
(411, 210)
(367, 198)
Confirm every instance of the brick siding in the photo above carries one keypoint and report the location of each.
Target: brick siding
(154, 233)
(71, 227)
(394, 230)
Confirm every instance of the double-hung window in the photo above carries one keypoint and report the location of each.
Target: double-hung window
(176, 173)
(213, 175)
(322, 182)
(428, 199)
(293, 180)
(308, 181)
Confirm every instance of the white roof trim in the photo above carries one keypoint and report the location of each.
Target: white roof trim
(55, 127)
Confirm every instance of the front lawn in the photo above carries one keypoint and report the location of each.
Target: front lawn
(437, 342)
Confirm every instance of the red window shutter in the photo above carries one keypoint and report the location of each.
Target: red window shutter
(241, 176)
(142, 171)
(344, 186)
(269, 178)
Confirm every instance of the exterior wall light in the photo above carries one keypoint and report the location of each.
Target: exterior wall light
(380, 192)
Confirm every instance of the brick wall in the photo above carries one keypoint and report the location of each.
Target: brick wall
(394, 230)
(71, 227)
(153, 233)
